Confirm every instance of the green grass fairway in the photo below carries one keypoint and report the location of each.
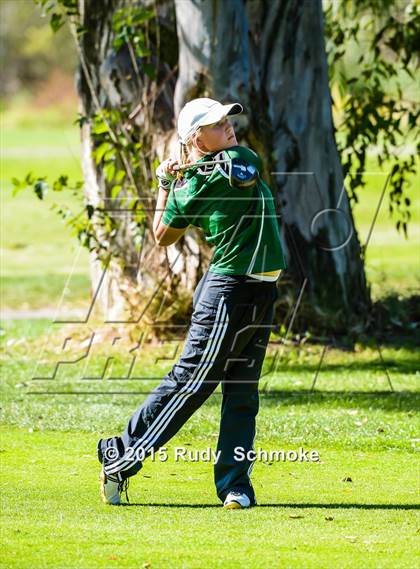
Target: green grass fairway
(356, 508)
(38, 253)
(308, 517)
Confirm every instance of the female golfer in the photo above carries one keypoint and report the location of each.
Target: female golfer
(221, 192)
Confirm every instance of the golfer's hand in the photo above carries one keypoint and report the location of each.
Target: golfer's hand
(165, 173)
(174, 166)
(171, 166)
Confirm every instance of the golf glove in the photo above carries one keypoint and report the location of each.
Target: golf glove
(165, 179)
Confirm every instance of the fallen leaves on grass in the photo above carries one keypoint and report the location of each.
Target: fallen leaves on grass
(296, 516)
(347, 479)
(329, 518)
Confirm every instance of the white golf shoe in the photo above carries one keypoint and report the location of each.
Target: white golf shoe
(111, 489)
(236, 501)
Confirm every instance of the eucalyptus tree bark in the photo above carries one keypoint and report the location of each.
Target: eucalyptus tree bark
(271, 57)
(111, 78)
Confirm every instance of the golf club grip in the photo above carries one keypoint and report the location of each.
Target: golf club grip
(181, 167)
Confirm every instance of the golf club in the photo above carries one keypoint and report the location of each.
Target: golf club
(241, 173)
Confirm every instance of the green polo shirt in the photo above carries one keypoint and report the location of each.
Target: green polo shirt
(241, 223)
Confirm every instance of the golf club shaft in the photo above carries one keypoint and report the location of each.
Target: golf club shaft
(198, 164)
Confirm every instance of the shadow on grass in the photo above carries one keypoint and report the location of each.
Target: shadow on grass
(403, 401)
(409, 365)
(338, 506)
(385, 400)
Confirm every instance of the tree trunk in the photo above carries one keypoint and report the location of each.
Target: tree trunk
(271, 57)
(115, 79)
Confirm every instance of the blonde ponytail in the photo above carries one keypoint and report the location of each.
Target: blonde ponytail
(185, 152)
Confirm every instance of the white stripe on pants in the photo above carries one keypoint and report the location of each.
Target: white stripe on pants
(179, 398)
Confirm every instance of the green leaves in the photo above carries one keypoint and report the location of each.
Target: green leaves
(40, 189)
(129, 24)
(56, 22)
(60, 183)
(372, 49)
(60, 11)
(103, 151)
(109, 171)
(121, 153)
(39, 185)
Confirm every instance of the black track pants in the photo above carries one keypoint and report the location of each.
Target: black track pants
(226, 342)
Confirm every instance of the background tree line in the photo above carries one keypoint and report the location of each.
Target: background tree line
(136, 70)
